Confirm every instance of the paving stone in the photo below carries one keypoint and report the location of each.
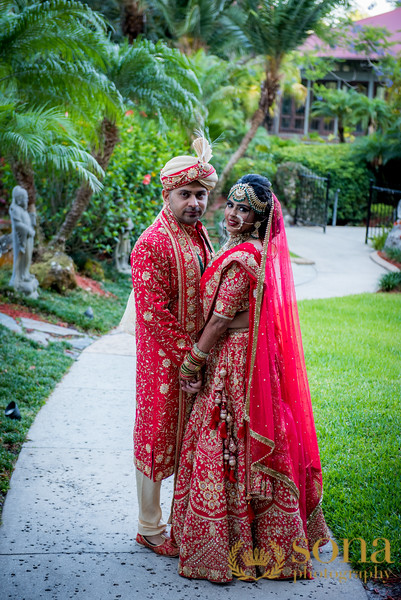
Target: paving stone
(49, 328)
(38, 336)
(81, 343)
(10, 323)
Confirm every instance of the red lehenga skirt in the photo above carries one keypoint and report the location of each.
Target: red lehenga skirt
(217, 530)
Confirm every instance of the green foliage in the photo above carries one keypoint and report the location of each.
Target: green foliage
(274, 29)
(28, 374)
(194, 24)
(340, 104)
(352, 354)
(131, 188)
(394, 254)
(348, 174)
(155, 77)
(45, 136)
(51, 54)
(230, 93)
(71, 306)
(257, 159)
(380, 147)
(379, 240)
(390, 282)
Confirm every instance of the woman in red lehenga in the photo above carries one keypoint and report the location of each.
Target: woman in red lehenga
(249, 486)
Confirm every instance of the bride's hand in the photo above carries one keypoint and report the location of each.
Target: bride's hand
(192, 386)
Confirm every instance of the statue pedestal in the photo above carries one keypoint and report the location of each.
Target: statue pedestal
(29, 288)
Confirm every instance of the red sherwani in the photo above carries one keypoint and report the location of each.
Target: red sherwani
(166, 270)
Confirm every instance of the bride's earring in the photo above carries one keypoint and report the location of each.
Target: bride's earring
(255, 233)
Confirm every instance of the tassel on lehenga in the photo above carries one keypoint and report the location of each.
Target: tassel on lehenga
(223, 419)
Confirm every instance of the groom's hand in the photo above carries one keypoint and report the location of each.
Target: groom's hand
(191, 387)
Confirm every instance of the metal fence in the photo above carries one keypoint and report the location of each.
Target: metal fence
(313, 199)
(382, 210)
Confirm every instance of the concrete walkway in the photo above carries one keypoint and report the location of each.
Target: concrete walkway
(342, 262)
(69, 520)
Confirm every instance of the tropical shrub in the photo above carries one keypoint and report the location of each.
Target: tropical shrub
(390, 282)
(131, 188)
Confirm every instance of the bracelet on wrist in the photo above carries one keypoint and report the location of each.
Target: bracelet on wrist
(198, 353)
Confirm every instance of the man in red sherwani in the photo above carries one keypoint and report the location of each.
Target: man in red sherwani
(167, 263)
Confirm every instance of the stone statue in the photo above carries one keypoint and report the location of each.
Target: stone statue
(123, 249)
(23, 232)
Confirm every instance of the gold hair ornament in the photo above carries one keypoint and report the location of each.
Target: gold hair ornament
(240, 191)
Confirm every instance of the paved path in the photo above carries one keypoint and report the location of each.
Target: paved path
(69, 520)
(342, 262)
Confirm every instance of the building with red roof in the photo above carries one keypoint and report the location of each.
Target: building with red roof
(353, 69)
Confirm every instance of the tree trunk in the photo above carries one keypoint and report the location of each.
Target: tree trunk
(109, 136)
(341, 131)
(24, 176)
(269, 89)
(132, 20)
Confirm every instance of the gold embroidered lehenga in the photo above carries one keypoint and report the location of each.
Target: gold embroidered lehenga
(249, 478)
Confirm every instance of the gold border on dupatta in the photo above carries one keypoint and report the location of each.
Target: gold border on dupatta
(258, 303)
(277, 475)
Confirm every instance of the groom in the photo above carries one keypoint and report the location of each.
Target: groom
(167, 263)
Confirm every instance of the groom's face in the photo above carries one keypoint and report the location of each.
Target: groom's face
(188, 203)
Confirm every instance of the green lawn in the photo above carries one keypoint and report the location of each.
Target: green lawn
(28, 374)
(353, 355)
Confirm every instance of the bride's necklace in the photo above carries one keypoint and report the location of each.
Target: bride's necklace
(233, 240)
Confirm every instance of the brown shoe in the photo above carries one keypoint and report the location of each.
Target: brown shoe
(167, 548)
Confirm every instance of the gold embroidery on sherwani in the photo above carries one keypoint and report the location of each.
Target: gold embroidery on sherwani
(165, 330)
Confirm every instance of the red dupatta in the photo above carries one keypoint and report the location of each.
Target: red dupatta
(281, 438)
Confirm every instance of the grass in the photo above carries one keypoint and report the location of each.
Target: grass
(352, 350)
(71, 306)
(28, 374)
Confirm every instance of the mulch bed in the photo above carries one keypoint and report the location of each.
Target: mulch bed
(16, 312)
(384, 256)
(90, 285)
(85, 283)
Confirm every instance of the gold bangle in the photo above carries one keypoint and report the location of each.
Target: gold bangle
(198, 353)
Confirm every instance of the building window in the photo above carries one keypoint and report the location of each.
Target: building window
(286, 105)
(328, 125)
(299, 123)
(285, 122)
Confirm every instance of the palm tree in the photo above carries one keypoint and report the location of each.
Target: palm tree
(376, 114)
(229, 93)
(192, 24)
(152, 76)
(337, 104)
(271, 29)
(50, 55)
(43, 136)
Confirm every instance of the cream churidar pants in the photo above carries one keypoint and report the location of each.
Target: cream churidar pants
(150, 514)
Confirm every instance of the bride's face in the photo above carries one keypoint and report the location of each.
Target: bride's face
(239, 216)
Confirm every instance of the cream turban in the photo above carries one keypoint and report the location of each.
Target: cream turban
(183, 169)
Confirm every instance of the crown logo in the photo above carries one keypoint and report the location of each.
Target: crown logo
(256, 558)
